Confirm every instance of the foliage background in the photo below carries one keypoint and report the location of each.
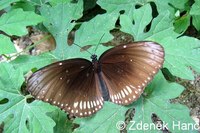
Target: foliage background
(162, 22)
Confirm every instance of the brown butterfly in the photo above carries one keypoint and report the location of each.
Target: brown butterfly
(80, 86)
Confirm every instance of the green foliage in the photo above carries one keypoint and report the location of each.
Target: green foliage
(195, 12)
(28, 62)
(6, 3)
(163, 24)
(59, 21)
(6, 45)
(62, 125)
(15, 21)
(24, 117)
(157, 101)
(104, 121)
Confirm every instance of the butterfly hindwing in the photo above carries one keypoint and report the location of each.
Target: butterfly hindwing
(127, 69)
(70, 84)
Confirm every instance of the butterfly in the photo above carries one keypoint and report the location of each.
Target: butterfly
(80, 87)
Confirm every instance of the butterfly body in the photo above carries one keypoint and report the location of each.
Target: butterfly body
(80, 86)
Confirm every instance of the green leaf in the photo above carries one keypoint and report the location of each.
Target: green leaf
(142, 17)
(14, 22)
(62, 124)
(157, 102)
(23, 117)
(92, 31)
(6, 3)
(59, 22)
(195, 13)
(10, 78)
(6, 46)
(27, 62)
(196, 21)
(104, 121)
(39, 2)
(181, 53)
(96, 31)
(128, 5)
(25, 5)
(195, 10)
(161, 25)
(182, 23)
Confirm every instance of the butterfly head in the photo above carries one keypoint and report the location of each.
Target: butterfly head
(94, 58)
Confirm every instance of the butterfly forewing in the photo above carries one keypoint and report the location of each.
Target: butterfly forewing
(72, 85)
(78, 86)
(127, 69)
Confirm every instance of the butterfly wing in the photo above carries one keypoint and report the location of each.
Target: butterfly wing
(127, 69)
(70, 84)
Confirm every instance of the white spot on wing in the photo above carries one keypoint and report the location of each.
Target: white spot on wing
(97, 102)
(60, 63)
(84, 104)
(75, 104)
(126, 92)
(87, 75)
(123, 95)
(124, 46)
(132, 86)
(94, 103)
(88, 104)
(80, 105)
(91, 104)
(129, 89)
(82, 67)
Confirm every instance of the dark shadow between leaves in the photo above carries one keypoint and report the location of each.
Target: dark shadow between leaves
(159, 123)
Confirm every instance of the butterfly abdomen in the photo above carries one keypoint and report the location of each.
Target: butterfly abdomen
(104, 89)
(101, 83)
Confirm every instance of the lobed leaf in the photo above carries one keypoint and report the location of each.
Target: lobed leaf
(27, 62)
(180, 54)
(6, 46)
(59, 22)
(15, 21)
(179, 51)
(195, 13)
(18, 113)
(6, 3)
(157, 102)
(104, 121)
(128, 5)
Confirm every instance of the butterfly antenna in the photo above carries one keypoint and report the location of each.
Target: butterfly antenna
(82, 48)
(99, 43)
